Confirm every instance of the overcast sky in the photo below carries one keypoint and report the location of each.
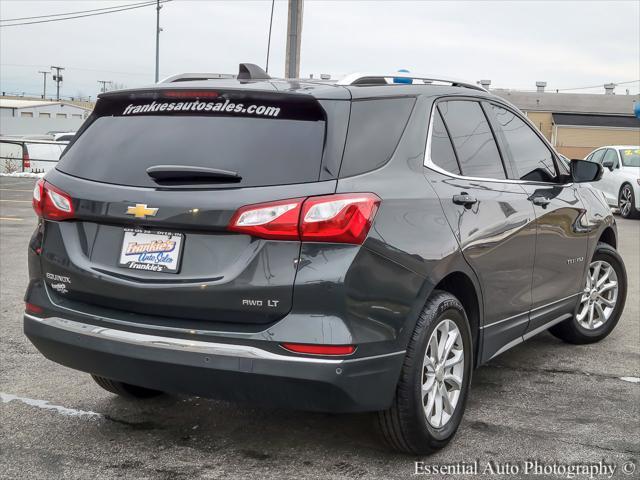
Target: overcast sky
(567, 44)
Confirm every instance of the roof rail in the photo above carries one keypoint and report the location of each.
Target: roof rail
(387, 78)
(186, 77)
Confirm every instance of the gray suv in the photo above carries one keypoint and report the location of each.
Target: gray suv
(347, 247)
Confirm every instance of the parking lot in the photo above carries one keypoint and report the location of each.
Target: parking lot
(543, 400)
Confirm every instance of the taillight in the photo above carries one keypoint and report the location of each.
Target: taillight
(51, 203)
(38, 193)
(276, 220)
(340, 218)
(319, 349)
(26, 162)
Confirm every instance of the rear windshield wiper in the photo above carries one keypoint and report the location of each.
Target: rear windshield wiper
(191, 174)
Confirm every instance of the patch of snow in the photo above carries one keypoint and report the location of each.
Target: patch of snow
(23, 174)
(44, 404)
(631, 379)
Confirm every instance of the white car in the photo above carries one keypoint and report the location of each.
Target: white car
(620, 180)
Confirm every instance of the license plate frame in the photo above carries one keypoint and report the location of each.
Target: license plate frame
(151, 250)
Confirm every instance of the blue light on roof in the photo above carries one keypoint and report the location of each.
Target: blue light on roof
(402, 79)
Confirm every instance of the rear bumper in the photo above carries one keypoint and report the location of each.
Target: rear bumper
(219, 370)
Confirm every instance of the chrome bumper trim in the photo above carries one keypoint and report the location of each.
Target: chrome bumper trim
(185, 345)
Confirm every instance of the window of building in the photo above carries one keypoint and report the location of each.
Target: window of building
(44, 115)
(76, 115)
(532, 159)
(442, 153)
(472, 138)
(61, 115)
(26, 114)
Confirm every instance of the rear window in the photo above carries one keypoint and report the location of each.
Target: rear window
(120, 145)
(375, 128)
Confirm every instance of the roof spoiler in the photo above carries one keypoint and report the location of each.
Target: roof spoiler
(246, 71)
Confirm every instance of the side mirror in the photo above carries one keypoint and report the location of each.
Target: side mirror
(583, 171)
(608, 164)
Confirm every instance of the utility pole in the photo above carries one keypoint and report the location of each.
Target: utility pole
(44, 85)
(58, 79)
(294, 37)
(158, 30)
(104, 84)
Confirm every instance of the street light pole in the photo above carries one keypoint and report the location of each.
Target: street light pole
(44, 85)
(158, 30)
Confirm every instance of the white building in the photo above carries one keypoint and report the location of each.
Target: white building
(41, 109)
(39, 117)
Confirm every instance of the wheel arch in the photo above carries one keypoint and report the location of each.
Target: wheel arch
(608, 236)
(460, 285)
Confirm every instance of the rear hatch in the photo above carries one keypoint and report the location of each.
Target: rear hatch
(155, 178)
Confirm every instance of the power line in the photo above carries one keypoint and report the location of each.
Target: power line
(83, 16)
(594, 86)
(75, 68)
(71, 13)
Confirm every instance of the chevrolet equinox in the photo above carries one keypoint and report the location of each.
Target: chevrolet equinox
(342, 247)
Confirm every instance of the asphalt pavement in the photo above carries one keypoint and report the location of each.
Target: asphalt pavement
(543, 401)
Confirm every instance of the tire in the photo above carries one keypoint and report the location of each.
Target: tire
(125, 390)
(627, 202)
(405, 426)
(578, 331)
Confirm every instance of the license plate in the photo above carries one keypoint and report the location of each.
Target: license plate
(151, 251)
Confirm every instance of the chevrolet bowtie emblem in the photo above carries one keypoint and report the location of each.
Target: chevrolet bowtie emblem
(141, 211)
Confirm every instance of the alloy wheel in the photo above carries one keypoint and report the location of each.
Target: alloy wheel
(442, 373)
(625, 201)
(599, 296)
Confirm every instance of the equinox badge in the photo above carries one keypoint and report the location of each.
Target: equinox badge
(141, 211)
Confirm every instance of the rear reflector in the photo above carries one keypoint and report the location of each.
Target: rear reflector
(341, 218)
(319, 349)
(51, 203)
(31, 308)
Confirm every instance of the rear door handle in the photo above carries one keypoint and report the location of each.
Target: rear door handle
(541, 201)
(464, 199)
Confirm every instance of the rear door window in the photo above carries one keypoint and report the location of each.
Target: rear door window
(532, 159)
(442, 153)
(375, 128)
(127, 138)
(472, 139)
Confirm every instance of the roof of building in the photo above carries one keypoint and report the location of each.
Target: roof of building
(11, 103)
(572, 119)
(570, 102)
